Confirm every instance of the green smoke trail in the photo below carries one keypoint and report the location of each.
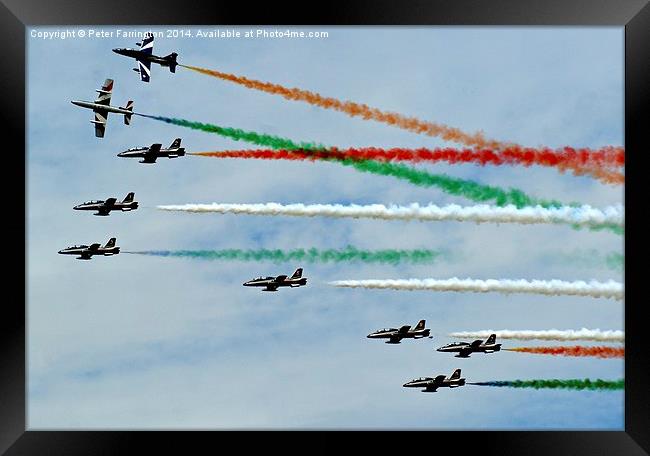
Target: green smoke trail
(349, 254)
(590, 258)
(615, 261)
(577, 384)
(237, 134)
(454, 186)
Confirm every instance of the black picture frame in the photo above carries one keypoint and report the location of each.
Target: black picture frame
(634, 15)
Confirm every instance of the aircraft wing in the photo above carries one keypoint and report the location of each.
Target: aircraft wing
(151, 154)
(105, 93)
(154, 149)
(464, 352)
(100, 122)
(145, 70)
(431, 388)
(404, 329)
(85, 256)
(100, 128)
(271, 287)
(147, 44)
(394, 339)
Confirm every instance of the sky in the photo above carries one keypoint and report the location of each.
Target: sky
(143, 342)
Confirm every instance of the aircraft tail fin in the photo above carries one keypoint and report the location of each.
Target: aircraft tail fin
(129, 197)
(297, 274)
(455, 375)
(492, 339)
(110, 243)
(127, 117)
(176, 143)
(172, 61)
(420, 324)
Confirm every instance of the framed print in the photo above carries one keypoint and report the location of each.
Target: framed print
(365, 217)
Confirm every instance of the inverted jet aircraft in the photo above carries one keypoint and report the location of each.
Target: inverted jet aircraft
(111, 204)
(101, 107)
(86, 252)
(151, 153)
(145, 58)
(395, 335)
(431, 384)
(273, 283)
(464, 349)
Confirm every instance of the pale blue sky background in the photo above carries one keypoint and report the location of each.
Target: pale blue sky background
(145, 342)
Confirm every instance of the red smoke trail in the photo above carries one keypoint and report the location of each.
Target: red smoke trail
(602, 163)
(576, 350)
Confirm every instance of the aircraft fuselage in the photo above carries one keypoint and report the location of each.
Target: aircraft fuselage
(101, 107)
(104, 209)
(458, 348)
(411, 334)
(430, 384)
(143, 56)
(85, 253)
(143, 152)
(271, 282)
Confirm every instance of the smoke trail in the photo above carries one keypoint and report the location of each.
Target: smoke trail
(237, 134)
(584, 215)
(577, 384)
(353, 109)
(349, 254)
(615, 261)
(454, 186)
(576, 350)
(289, 149)
(587, 258)
(551, 334)
(609, 289)
(597, 163)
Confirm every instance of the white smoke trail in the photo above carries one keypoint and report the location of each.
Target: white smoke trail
(609, 289)
(551, 334)
(582, 215)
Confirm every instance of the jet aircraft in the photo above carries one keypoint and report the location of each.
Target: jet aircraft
(431, 384)
(101, 107)
(87, 251)
(144, 56)
(111, 204)
(464, 349)
(395, 335)
(151, 153)
(273, 283)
